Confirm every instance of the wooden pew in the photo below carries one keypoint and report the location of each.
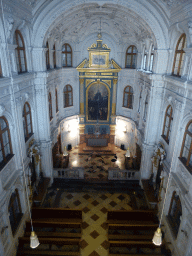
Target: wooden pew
(55, 213)
(55, 234)
(138, 245)
(47, 253)
(50, 223)
(49, 241)
(132, 216)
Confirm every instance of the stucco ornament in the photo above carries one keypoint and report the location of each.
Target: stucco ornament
(158, 157)
(190, 30)
(9, 26)
(2, 109)
(26, 96)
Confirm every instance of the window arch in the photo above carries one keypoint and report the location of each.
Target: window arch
(68, 96)
(186, 149)
(54, 56)
(167, 124)
(174, 214)
(56, 100)
(5, 142)
(151, 59)
(66, 55)
(47, 56)
(15, 212)
(20, 53)
(179, 56)
(128, 97)
(145, 61)
(50, 107)
(131, 57)
(27, 121)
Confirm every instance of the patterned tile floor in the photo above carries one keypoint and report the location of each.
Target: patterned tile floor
(96, 166)
(94, 205)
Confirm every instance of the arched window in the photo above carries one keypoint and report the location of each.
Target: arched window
(20, 53)
(1, 73)
(151, 59)
(54, 56)
(66, 55)
(131, 57)
(174, 214)
(140, 98)
(15, 212)
(146, 108)
(167, 124)
(128, 97)
(56, 101)
(47, 56)
(145, 61)
(5, 143)
(179, 56)
(50, 107)
(186, 149)
(27, 121)
(68, 96)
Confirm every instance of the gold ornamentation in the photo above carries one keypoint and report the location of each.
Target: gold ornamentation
(114, 81)
(106, 74)
(108, 82)
(81, 81)
(88, 81)
(113, 109)
(81, 108)
(31, 143)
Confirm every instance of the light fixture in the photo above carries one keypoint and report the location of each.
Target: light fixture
(34, 241)
(127, 153)
(157, 238)
(65, 153)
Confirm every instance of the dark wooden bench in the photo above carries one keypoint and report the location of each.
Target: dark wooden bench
(53, 223)
(55, 213)
(114, 254)
(129, 237)
(46, 253)
(55, 234)
(132, 216)
(49, 241)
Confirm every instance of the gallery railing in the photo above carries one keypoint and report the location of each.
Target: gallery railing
(117, 174)
(69, 173)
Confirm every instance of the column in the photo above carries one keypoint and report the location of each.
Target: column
(113, 112)
(43, 123)
(152, 127)
(81, 81)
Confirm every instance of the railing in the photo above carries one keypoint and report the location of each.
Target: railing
(69, 173)
(117, 174)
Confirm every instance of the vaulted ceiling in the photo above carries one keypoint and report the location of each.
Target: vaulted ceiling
(124, 20)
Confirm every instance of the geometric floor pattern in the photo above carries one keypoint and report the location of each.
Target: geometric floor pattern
(95, 165)
(94, 206)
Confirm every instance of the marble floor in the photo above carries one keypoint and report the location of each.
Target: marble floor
(94, 206)
(95, 164)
